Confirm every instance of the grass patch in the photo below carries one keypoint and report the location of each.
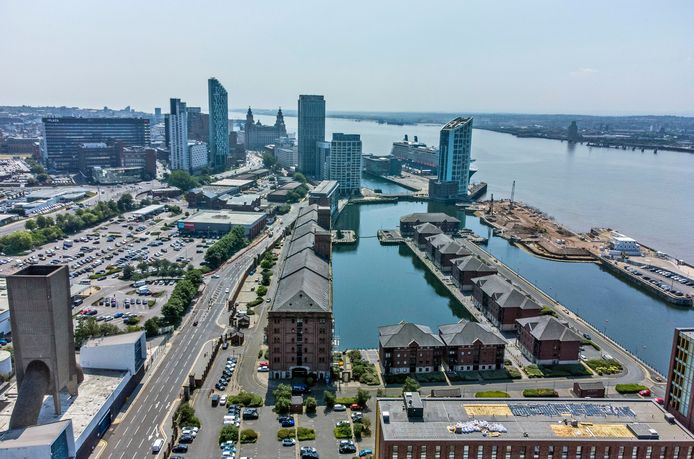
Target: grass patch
(629, 388)
(543, 392)
(255, 302)
(587, 342)
(286, 433)
(556, 371)
(343, 432)
(504, 373)
(458, 376)
(305, 434)
(605, 367)
(345, 400)
(433, 377)
(492, 394)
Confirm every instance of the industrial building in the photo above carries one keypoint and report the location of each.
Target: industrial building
(148, 211)
(445, 223)
(325, 194)
(455, 428)
(220, 222)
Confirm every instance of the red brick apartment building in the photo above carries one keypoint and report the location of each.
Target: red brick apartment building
(455, 428)
(501, 302)
(545, 340)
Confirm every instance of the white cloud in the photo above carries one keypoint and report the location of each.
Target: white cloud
(583, 72)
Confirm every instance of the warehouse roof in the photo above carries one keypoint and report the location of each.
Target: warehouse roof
(431, 217)
(224, 217)
(548, 328)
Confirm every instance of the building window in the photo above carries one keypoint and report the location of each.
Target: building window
(620, 452)
(508, 452)
(579, 451)
(451, 452)
(494, 448)
(592, 452)
(423, 452)
(522, 452)
(437, 452)
(466, 452)
(649, 450)
(395, 452)
(550, 452)
(409, 452)
(607, 452)
(564, 452)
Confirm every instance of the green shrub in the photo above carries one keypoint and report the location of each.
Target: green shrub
(492, 394)
(311, 405)
(255, 302)
(305, 434)
(605, 367)
(261, 290)
(286, 433)
(248, 436)
(543, 392)
(343, 432)
(244, 398)
(329, 398)
(629, 388)
(185, 416)
(229, 433)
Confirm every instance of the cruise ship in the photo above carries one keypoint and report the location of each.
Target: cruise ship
(418, 155)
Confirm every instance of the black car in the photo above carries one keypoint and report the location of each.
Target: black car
(347, 446)
(180, 448)
(219, 386)
(186, 439)
(250, 413)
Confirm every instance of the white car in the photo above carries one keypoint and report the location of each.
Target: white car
(339, 407)
(263, 369)
(215, 276)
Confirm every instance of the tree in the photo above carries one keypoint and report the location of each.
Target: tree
(42, 177)
(299, 177)
(329, 398)
(182, 179)
(311, 405)
(282, 391)
(125, 202)
(362, 397)
(30, 225)
(229, 433)
(411, 385)
(127, 272)
(269, 160)
(282, 405)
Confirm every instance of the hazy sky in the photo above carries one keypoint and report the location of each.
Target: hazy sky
(552, 56)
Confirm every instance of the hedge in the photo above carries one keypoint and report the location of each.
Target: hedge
(629, 388)
(605, 367)
(286, 433)
(492, 394)
(305, 434)
(248, 436)
(343, 432)
(542, 392)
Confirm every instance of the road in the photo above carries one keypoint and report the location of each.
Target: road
(132, 437)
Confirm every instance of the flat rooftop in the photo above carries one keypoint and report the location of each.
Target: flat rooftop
(149, 209)
(32, 436)
(95, 390)
(540, 419)
(324, 187)
(240, 183)
(225, 217)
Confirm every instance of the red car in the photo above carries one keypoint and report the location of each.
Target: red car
(355, 407)
(645, 393)
(659, 400)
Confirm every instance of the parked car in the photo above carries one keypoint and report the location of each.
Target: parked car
(645, 393)
(288, 442)
(180, 448)
(339, 407)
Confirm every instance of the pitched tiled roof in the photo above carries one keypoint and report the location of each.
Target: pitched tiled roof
(465, 333)
(427, 228)
(432, 217)
(548, 328)
(471, 263)
(303, 290)
(404, 333)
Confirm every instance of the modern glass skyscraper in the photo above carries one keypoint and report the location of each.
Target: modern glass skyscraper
(179, 156)
(65, 135)
(311, 130)
(679, 397)
(219, 124)
(345, 163)
(455, 144)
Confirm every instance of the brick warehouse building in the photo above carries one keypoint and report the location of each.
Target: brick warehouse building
(454, 428)
(300, 321)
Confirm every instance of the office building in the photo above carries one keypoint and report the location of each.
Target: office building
(64, 136)
(44, 344)
(323, 157)
(219, 124)
(143, 157)
(381, 165)
(97, 154)
(453, 176)
(345, 163)
(198, 156)
(325, 194)
(177, 128)
(258, 135)
(679, 397)
(455, 428)
(311, 130)
(300, 320)
(198, 124)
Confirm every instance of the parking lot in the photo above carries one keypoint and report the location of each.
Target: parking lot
(675, 283)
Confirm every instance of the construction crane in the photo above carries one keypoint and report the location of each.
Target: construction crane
(490, 211)
(513, 194)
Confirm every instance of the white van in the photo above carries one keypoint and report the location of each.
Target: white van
(157, 445)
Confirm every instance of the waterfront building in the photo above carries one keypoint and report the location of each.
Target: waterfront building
(311, 124)
(472, 346)
(323, 158)
(177, 129)
(455, 428)
(546, 340)
(679, 396)
(345, 163)
(416, 155)
(453, 176)
(325, 194)
(442, 250)
(446, 223)
(465, 269)
(621, 245)
(64, 136)
(409, 348)
(381, 165)
(219, 124)
(258, 135)
(501, 302)
(300, 320)
(422, 232)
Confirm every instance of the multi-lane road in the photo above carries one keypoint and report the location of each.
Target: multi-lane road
(149, 415)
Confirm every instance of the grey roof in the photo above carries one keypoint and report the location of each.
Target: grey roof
(465, 333)
(324, 187)
(432, 217)
(304, 291)
(547, 328)
(303, 230)
(504, 293)
(427, 228)
(243, 199)
(309, 214)
(126, 338)
(404, 333)
(471, 263)
(438, 240)
(212, 191)
(454, 248)
(307, 241)
(306, 259)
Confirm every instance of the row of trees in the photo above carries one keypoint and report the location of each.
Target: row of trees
(160, 267)
(184, 181)
(44, 229)
(179, 302)
(226, 247)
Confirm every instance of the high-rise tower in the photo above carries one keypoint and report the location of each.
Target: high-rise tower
(178, 136)
(345, 163)
(311, 130)
(455, 143)
(218, 141)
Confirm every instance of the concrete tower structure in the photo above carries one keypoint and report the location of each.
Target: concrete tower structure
(345, 163)
(311, 130)
(179, 156)
(218, 143)
(44, 343)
